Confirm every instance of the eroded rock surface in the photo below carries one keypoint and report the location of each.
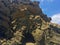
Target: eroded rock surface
(22, 21)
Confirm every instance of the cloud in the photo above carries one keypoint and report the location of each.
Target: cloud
(56, 18)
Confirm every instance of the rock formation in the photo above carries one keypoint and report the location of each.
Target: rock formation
(23, 21)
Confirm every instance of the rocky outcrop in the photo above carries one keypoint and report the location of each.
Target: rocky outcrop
(23, 21)
(54, 34)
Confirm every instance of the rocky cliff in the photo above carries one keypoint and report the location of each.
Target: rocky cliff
(23, 21)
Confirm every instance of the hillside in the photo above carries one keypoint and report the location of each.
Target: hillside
(22, 21)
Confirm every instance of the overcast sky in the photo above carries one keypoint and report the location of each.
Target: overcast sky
(51, 8)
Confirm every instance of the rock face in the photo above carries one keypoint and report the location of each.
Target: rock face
(22, 21)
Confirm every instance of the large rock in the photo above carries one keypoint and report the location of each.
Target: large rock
(23, 21)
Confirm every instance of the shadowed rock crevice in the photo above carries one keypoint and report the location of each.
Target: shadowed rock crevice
(28, 37)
